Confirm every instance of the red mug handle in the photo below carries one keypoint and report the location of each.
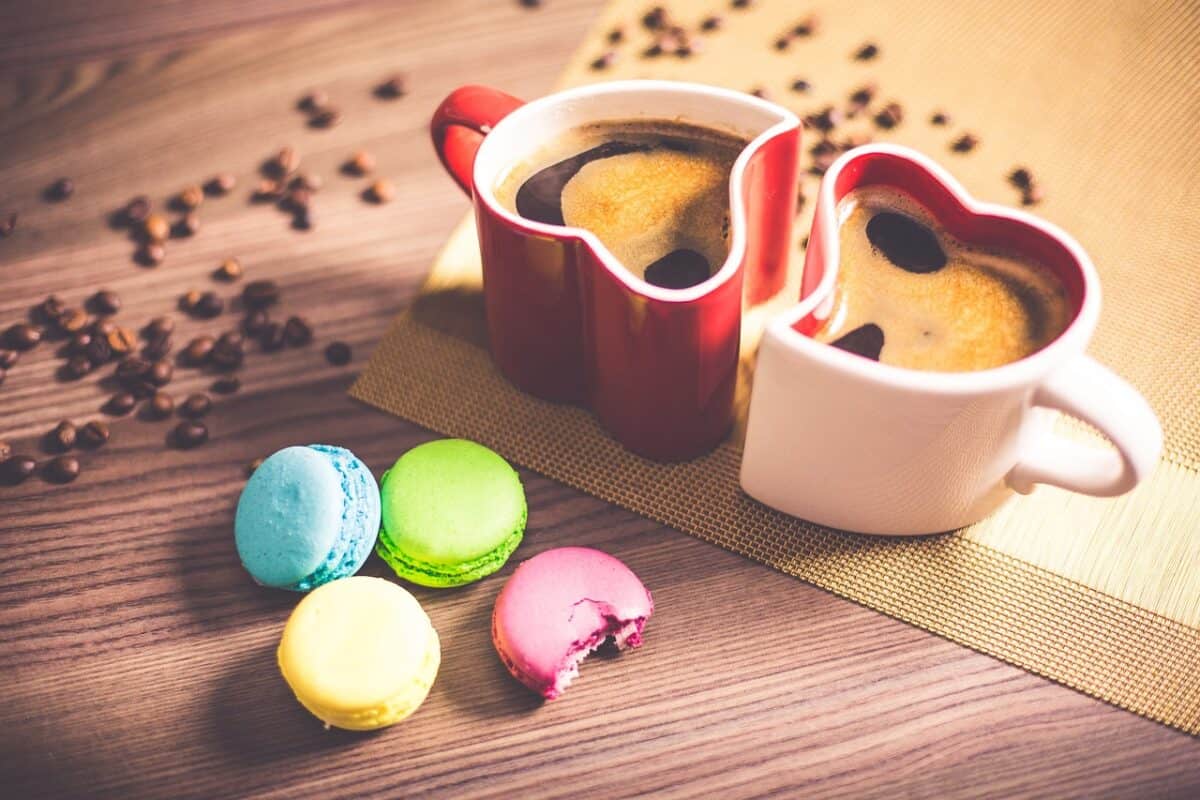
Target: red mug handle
(460, 123)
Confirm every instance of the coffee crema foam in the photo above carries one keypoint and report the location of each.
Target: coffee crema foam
(654, 192)
(935, 303)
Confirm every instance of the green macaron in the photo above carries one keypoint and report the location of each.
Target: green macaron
(453, 512)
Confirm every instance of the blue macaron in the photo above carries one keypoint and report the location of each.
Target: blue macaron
(307, 516)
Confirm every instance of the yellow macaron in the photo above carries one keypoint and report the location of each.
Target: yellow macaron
(359, 653)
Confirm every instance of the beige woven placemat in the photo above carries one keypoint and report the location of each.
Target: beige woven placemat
(1101, 101)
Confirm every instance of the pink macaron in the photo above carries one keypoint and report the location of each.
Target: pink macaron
(561, 605)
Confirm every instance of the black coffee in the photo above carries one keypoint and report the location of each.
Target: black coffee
(656, 194)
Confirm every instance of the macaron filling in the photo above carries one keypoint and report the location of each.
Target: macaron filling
(353, 543)
(449, 574)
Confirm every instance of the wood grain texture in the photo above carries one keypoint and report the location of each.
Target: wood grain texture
(137, 658)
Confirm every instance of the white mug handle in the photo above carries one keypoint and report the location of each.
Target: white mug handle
(1086, 389)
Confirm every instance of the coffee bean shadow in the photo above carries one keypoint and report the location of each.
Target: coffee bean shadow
(456, 312)
(256, 720)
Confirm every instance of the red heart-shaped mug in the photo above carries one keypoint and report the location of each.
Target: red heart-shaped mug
(566, 322)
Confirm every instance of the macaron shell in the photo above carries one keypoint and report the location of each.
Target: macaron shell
(359, 653)
(289, 516)
(559, 605)
(360, 518)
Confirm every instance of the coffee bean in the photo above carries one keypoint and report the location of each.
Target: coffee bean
(229, 351)
(105, 301)
(103, 327)
(360, 163)
(198, 350)
(79, 343)
(120, 404)
(122, 341)
(782, 42)
(807, 26)
(604, 60)
(190, 433)
(867, 52)
(221, 184)
(60, 190)
(16, 469)
(159, 326)
(156, 228)
(297, 332)
(161, 372)
(49, 310)
(208, 305)
(77, 366)
(260, 294)
(824, 120)
(306, 180)
(965, 143)
(271, 338)
(252, 466)
(158, 347)
(393, 87)
(255, 322)
(268, 190)
(338, 354)
(94, 434)
(939, 118)
(761, 93)
(8, 358)
(801, 86)
(158, 406)
(62, 437)
(226, 385)
(655, 18)
(189, 300)
(5, 451)
(136, 210)
(185, 226)
(131, 370)
(326, 118)
(890, 116)
(63, 469)
(1021, 178)
(313, 101)
(864, 95)
(905, 242)
(741, 3)
(196, 406)
(229, 271)
(865, 340)
(3, 374)
(73, 320)
(1032, 195)
(285, 162)
(302, 219)
(297, 200)
(381, 191)
(616, 35)
(98, 351)
(712, 22)
(190, 197)
(23, 336)
(8, 223)
(151, 254)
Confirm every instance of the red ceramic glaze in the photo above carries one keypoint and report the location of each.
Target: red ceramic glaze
(568, 324)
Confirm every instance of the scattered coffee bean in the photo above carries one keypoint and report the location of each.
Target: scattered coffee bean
(271, 338)
(98, 351)
(5, 451)
(965, 143)
(655, 18)
(136, 210)
(229, 271)
(105, 301)
(159, 326)
(221, 184)
(864, 95)
(60, 190)
(208, 305)
(801, 86)
(62, 469)
(73, 320)
(297, 332)
(824, 120)
(741, 3)
(120, 404)
(3, 374)
(326, 118)
(314, 101)
(195, 406)
(296, 200)
(255, 322)
(94, 434)
(616, 35)
(156, 228)
(807, 26)
(761, 93)
(161, 372)
(1032, 195)
(712, 22)
(158, 406)
(268, 190)
(190, 198)
(801, 199)
(16, 469)
(8, 358)
(152, 254)
(783, 42)
(229, 351)
(393, 87)
(190, 433)
(185, 226)
(252, 466)
(381, 191)
(307, 181)
(188, 300)
(604, 60)
(226, 385)
(62, 437)
(939, 118)
(286, 161)
(338, 354)
(890, 116)
(157, 347)
(1021, 178)
(360, 163)
(260, 294)
(77, 366)
(50, 309)
(199, 350)
(867, 52)
(8, 223)
(122, 341)
(103, 327)
(302, 219)
(23, 336)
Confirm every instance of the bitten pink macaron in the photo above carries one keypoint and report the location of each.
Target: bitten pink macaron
(561, 605)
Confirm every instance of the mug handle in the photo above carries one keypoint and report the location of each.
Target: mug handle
(1089, 391)
(460, 123)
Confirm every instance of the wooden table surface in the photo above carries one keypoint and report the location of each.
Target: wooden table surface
(136, 657)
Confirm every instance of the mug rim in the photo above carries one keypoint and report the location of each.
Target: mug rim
(786, 121)
(1028, 370)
